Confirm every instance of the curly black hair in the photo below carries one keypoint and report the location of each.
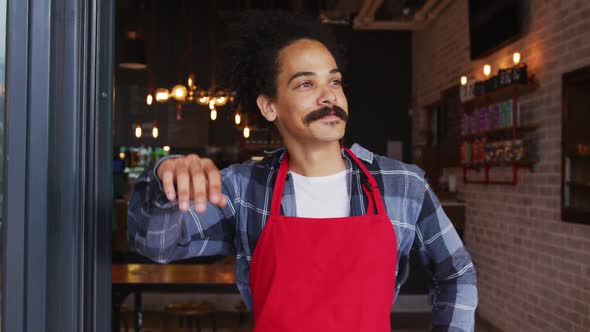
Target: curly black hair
(257, 37)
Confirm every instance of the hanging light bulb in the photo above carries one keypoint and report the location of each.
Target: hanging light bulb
(190, 96)
(149, 99)
(138, 130)
(463, 80)
(166, 148)
(221, 98)
(179, 92)
(191, 80)
(212, 103)
(487, 70)
(203, 98)
(516, 58)
(213, 114)
(155, 131)
(162, 95)
(246, 132)
(238, 118)
(220, 101)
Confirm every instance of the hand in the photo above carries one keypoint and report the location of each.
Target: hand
(195, 178)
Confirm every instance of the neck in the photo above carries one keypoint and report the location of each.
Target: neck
(318, 160)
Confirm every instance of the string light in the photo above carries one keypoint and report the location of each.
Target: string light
(463, 80)
(238, 118)
(213, 114)
(149, 99)
(246, 132)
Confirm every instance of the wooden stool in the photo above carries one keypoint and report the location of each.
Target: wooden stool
(123, 315)
(188, 313)
(243, 312)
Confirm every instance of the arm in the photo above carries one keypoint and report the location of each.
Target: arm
(160, 230)
(454, 292)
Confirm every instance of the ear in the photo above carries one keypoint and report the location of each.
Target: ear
(267, 108)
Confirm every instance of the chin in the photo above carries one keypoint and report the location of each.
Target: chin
(330, 137)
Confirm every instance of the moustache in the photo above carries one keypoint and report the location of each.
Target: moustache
(325, 111)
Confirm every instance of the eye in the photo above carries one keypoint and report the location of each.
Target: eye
(336, 82)
(305, 84)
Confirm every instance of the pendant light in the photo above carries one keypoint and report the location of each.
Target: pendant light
(133, 51)
(155, 131)
(138, 130)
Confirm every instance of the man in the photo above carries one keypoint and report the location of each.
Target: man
(321, 233)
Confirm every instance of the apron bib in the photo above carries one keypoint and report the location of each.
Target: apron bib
(324, 274)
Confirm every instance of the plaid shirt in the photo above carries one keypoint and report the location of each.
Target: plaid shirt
(158, 230)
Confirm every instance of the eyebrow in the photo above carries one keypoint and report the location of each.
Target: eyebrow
(310, 73)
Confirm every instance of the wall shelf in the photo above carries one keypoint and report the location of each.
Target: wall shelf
(503, 130)
(511, 92)
(518, 163)
(515, 165)
(501, 94)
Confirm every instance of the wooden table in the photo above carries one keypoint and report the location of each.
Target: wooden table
(218, 277)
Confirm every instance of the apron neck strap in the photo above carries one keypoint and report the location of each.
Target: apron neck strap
(373, 193)
(373, 187)
(279, 187)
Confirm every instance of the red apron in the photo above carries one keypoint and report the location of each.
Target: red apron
(333, 274)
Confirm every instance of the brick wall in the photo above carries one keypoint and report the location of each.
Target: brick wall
(533, 269)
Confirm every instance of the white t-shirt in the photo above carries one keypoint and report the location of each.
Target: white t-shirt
(322, 196)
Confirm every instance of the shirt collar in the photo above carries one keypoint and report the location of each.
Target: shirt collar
(357, 149)
(362, 153)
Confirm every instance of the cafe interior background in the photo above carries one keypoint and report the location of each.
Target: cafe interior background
(489, 97)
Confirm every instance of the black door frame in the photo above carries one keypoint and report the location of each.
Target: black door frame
(57, 208)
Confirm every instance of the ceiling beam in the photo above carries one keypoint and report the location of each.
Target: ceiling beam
(421, 14)
(365, 20)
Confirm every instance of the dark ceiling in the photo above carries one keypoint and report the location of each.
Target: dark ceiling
(175, 30)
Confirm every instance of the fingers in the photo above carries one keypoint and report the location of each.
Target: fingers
(213, 182)
(198, 183)
(191, 177)
(183, 184)
(166, 175)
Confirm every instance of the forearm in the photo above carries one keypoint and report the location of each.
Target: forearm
(169, 235)
(160, 231)
(454, 293)
(454, 298)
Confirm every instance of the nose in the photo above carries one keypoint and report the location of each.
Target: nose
(327, 96)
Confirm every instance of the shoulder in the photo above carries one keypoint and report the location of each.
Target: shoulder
(387, 166)
(252, 170)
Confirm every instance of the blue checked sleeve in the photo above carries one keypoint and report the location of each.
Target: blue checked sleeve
(159, 230)
(454, 291)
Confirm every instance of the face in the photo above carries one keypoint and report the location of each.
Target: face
(310, 105)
